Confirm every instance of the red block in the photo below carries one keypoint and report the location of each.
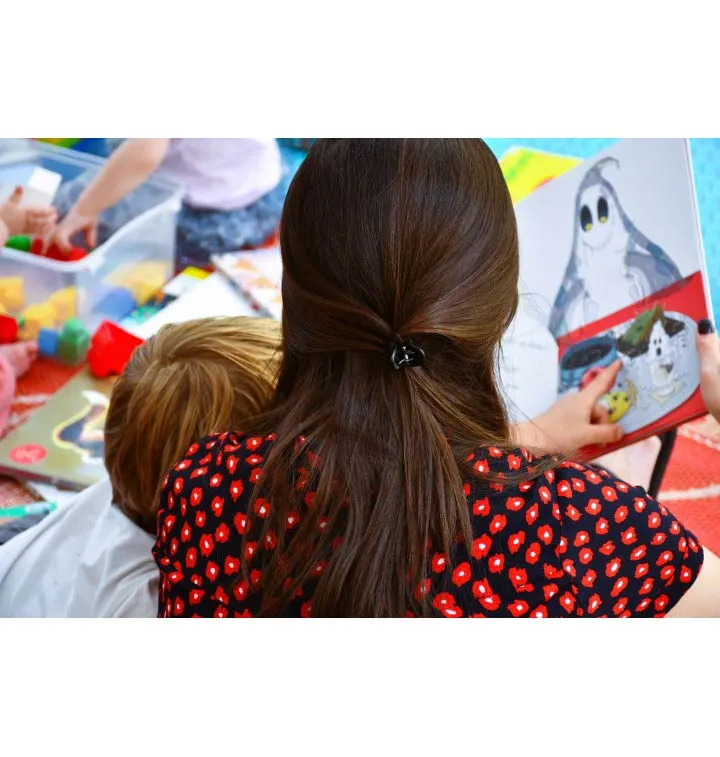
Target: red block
(55, 253)
(8, 329)
(110, 350)
(76, 253)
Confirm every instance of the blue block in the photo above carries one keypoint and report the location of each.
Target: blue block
(47, 341)
(116, 304)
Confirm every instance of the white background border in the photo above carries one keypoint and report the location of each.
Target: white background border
(370, 688)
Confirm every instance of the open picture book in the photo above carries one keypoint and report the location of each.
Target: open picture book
(611, 268)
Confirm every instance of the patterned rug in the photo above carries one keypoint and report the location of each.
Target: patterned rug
(42, 381)
(691, 488)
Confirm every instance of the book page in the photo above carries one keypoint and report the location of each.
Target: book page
(527, 367)
(616, 229)
(611, 255)
(256, 273)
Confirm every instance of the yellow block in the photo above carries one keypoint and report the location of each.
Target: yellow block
(118, 277)
(142, 279)
(65, 303)
(142, 289)
(152, 269)
(195, 273)
(37, 317)
(12, 293)
(149, 269)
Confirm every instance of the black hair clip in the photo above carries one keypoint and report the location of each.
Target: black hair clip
(406, 356)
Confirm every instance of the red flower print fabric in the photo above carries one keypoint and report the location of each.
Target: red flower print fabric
(573, 542)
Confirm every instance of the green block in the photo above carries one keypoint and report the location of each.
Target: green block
(20, 242)
(73, 329)
(74, 342)
(73, 353)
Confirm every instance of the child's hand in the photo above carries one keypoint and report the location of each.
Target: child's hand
(708, 347)
(40, 221)
(26, 220)
(69, 226)
(13, 214)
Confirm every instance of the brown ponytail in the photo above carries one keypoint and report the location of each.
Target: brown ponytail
(384, 242)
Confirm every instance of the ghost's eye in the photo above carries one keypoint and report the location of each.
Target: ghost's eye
(602, 210)
(586, 219)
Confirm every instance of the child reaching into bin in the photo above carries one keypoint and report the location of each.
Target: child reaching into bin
(233, 194)
(92, 558)
(16, 218)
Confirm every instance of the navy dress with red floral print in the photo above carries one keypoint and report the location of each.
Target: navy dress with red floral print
(573, 542)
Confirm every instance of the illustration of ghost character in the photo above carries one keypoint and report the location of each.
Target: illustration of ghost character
(84, 432)
(662, 360)
(612, 263)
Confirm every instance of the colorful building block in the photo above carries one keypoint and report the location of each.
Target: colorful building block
(47, 342)
(75, 254)
(73, 342)
(8, 329)
(21, 243)
(65, 302)
(116, 304)
(143, 289)
(143, 280)
(35, 318)
(55, 253)
(110, 350)
(12, 293)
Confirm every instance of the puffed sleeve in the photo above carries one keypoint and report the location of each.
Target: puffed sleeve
(627, 554)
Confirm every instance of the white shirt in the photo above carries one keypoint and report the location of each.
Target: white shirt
(223, 174)
(85, 560)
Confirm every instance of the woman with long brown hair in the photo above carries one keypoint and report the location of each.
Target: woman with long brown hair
(384, 478)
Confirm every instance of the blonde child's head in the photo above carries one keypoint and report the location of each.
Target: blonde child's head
(187, 381)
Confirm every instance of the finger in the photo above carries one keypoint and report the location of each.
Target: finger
(602, 434)
(41, 214)
(16, 195)
(602, 383)
(61, 239)
(91, 236)
(44, 228)
(600, 413)
(708, 347)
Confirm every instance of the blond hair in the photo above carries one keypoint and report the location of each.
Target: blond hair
(187, 381)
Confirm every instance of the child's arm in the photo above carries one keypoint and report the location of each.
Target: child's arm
(126, 170)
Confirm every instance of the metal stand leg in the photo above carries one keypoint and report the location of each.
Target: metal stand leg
(666, 447)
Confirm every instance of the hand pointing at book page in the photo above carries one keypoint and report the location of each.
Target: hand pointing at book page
(574, 421)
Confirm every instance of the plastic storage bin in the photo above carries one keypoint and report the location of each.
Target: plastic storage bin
(137, 259)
